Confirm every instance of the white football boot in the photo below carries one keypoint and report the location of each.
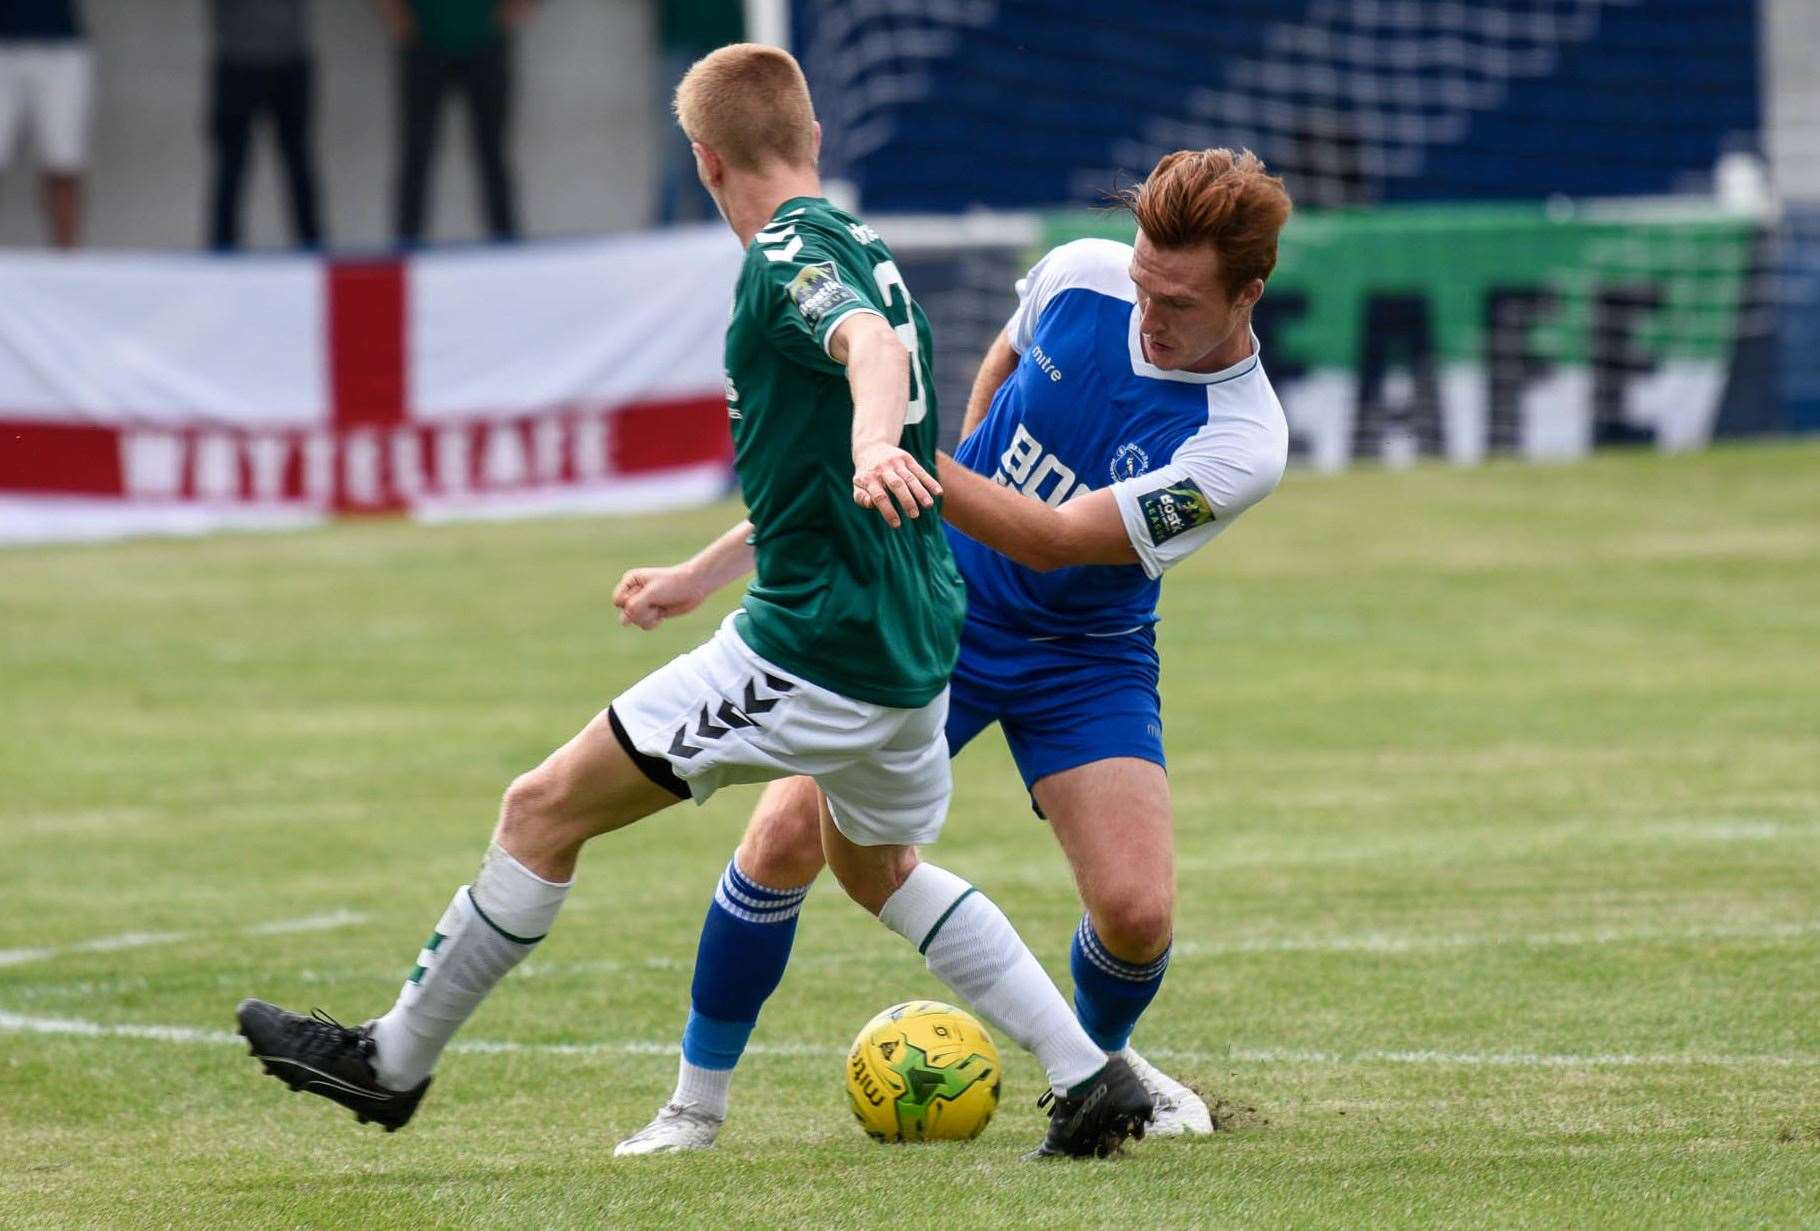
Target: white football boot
(678, 1126)
(1179, 1110)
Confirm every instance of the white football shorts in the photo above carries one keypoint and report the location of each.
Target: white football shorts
(722, 715)
(52, 85)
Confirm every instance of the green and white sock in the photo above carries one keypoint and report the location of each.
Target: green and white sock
(971, 946)
(488, 928)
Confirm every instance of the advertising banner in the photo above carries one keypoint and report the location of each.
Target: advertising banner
(180, 394)
(1472, 330)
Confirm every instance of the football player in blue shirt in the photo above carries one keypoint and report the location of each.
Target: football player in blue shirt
(1121, 422)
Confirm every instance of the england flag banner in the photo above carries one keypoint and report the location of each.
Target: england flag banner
(147, 394)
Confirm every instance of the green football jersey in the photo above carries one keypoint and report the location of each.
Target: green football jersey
(839, 598)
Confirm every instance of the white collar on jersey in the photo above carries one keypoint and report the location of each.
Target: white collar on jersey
(1143, 366)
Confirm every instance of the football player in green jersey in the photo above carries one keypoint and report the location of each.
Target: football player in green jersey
(836, 667)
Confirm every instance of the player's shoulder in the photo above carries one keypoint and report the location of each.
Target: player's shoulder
(822, 225)
(1245, 427)
(1099, 265)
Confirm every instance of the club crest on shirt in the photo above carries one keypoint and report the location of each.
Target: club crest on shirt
(817, 290)
(1173, 510)
(1129, 462)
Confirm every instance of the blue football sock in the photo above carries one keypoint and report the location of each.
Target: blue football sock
(745, 945)
(1110, 994)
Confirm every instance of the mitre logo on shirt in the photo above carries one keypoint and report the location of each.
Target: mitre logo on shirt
(1173, 510)
(817, 290)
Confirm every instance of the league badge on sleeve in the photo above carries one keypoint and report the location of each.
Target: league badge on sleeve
(1176, 509)
(818, 291)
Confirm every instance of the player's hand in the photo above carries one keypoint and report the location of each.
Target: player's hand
(649, 596)
(888, 479)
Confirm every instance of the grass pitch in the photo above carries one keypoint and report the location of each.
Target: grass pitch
(1498, 803)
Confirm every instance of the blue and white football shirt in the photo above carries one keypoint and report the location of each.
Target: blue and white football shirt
(1184, 452)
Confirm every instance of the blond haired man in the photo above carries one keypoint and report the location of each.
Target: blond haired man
(836, 666)
(1119, 423)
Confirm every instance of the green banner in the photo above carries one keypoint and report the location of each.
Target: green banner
(1670, 277)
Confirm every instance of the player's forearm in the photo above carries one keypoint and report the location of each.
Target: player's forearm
(878, 374)
(995, 369)
(1010, 524)
(725, 560)
(1037, 536)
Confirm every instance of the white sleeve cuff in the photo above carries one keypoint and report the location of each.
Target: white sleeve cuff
(1136, 530)
(834, 322)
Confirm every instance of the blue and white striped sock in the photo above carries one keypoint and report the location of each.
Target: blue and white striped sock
(1110, 994)
(745, 945)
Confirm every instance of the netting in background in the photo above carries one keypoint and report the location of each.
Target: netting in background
(946, 104)
(1528, 226)
(962, 271)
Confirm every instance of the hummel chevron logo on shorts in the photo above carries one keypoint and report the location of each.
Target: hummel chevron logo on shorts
(731, 716)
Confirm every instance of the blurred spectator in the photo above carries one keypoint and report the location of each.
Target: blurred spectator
(46, 79)
(687, 30)
(262, 67)
(465, 45)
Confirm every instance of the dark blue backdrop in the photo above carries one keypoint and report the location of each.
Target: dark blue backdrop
(936, 105)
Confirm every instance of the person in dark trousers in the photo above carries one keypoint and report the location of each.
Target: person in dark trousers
(687, 30)
(465, 45)
(262, 68)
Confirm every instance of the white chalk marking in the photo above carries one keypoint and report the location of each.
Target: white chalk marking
(68, 1027)
(308, 923)
(1379, 942)
(139, 940)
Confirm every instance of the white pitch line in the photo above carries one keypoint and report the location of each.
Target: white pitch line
(20, 1023)
(139, 940)
(1379, 942)
(308, 923)
(1363, 942)
(1471, 1059)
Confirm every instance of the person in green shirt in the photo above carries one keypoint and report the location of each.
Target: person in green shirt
(836, 667)
(686, 31)
(464, 46)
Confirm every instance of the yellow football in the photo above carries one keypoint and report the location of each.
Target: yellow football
(923, 1071)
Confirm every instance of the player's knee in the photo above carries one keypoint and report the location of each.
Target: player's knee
(532, 807)
(870, 875)
(1136, 924)
(782, 847)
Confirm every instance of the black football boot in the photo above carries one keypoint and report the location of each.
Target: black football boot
(319, 1054)
(1093, 1120)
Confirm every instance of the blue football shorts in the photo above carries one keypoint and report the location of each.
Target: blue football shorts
(1062, 703)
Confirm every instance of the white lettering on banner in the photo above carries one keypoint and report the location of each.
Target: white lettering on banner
(360, 467)
(407, 463)
(1551, 417)
(266, 456)
(503, 464)
(591, 448)
(216, 463)
(371, 468)
(151, 465)
(453, 450)
(318, 468)
(546, 448)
